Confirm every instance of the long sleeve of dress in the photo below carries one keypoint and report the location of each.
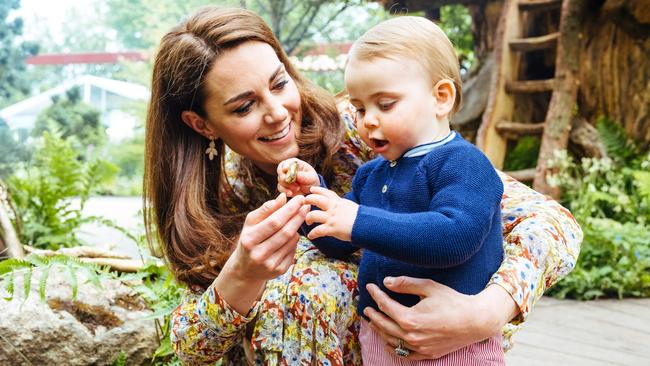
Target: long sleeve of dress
(205, 328)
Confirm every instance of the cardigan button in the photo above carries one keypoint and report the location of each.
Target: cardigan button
(393, 163)
(384, 189)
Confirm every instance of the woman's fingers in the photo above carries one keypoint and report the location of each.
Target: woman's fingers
(409, 285)
(390, 307)
(281, 236)
(383, 324)
(272, 224)
(259, 214)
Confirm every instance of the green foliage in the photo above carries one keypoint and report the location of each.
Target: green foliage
(331, 81)
(456, 21)
(120, 360)
(72, 117)
(162, 293)
(13, 84)
(10, 267)
(524, 154)
(50, 194)
(13, 149)
(610, 198)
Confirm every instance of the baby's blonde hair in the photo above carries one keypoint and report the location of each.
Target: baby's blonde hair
(415, 38)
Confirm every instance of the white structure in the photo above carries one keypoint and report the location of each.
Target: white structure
(110, 97)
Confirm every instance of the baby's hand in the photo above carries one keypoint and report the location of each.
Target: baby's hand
(296, 177)
(336, 217)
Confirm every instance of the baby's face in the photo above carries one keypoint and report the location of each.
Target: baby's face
(395, 103)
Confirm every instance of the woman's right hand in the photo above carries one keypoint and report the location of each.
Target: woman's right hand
(265, 250)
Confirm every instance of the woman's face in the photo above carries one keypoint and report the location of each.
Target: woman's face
(254, 105)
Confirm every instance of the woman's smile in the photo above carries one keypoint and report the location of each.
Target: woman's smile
(276, 137)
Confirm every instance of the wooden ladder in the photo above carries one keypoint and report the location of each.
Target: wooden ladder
(497, 125)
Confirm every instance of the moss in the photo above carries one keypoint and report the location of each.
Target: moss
(91, 316)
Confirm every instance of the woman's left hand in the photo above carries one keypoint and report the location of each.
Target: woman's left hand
(443, 321)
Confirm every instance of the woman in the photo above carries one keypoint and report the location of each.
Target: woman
(259, 292)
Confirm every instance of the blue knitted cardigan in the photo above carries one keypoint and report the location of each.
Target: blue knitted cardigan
(433, 213)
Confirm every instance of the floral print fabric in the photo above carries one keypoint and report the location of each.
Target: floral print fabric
(307, 316)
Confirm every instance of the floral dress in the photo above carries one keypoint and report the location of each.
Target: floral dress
(308, 316)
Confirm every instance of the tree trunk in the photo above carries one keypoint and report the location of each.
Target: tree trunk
(8, 239)
(615, 67)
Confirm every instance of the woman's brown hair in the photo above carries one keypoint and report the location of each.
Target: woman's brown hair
(181, 186)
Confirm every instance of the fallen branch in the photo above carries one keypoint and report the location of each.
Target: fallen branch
(121, 265)
(82, 251)
(116, 261)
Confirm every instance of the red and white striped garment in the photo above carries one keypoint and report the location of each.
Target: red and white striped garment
(486, 353)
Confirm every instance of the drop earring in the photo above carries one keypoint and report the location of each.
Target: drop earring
(211, 151)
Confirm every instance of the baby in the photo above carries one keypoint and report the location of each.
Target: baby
(428, 206)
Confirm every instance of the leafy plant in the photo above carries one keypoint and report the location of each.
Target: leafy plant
(50, 195)
(11, 267)
(162, 293)
(72, 117)
(610, 198)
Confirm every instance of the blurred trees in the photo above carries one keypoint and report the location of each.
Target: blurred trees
(13, 84)
(69, 115)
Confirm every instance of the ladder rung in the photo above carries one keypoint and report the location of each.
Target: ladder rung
(530, 86)
(515, 129)
(534, 43)
(539, 4)
(524, 175)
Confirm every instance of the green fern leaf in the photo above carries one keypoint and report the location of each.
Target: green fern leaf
(42, 283)
(642, 181)
(9, 265)
(73, 280)
(616, 141)
(9, 286)
(27, 282)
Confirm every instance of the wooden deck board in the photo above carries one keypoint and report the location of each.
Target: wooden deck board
(565, 332)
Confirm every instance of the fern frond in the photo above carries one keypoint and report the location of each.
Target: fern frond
(616, 141)
(9, 286)
(73, 281)
(642, 182)
(27, 282)
(42, 282)
(9, 265)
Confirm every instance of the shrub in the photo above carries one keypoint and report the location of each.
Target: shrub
(51, 193)
(610, 198)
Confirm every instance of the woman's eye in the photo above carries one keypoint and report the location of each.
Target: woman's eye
(244, 108)
(386, 105)
(280, 85)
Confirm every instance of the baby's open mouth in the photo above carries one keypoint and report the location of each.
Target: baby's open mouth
(379, 143)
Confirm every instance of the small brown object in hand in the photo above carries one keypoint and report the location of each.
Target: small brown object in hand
(292, 173)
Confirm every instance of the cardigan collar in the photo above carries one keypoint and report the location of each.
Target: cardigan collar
(426, 148)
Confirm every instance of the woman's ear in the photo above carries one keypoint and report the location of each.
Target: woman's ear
(198, 124)
(445, 93)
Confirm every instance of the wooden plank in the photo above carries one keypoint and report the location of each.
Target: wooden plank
(530, 86)
(539, 5)
(511, 130)
(524, 175)
(568, 332)
(534, 43)
(500, 105)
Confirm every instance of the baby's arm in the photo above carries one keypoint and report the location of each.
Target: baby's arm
(460, 216)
